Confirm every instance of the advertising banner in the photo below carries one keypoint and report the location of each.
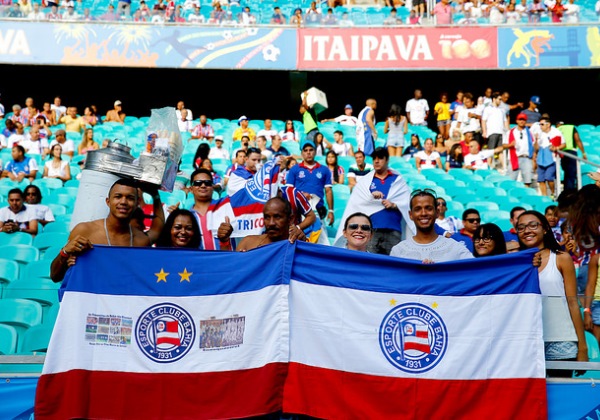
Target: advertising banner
(397, 48)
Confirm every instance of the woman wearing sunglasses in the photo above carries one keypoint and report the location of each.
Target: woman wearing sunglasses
(357, 231)
(564, 337)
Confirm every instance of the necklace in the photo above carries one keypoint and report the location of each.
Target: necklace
(108, 238)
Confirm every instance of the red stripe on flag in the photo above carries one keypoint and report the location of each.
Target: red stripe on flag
(172, 326)
(122, 395)
(410, 345)
(175, 341)
(333, 394)
(422, 334)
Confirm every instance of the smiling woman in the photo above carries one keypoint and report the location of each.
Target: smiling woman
(181, 231)
(357, 231)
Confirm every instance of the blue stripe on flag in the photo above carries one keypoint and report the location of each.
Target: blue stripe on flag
(337, 267)
(137, 271)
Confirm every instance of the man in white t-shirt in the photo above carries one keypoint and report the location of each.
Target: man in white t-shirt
(345, 119)
(17, 217)
(34, 145)
(494, 123)
(68, 147)
(469, 117)
(18, 137)
(217, 151)
(417, 109)
(267, 131)
(479, 159)
(184, 123)
(427, 246)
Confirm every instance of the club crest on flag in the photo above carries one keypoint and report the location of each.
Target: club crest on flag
(413, 337)
(165, 332)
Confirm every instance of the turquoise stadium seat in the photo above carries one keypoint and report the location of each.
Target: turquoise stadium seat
(482, 206)
(49, 183)
(22, 254)
(58, 226)
(8, 339)
(520, 192)
(464, 196)
(57, 209)
(510, 184)
(35, 339)
(40, 290)
(537, 202)
(51, 252)
(46, 239)
(36, 269)
(17, 238)
(488, 215)
(20, 313)
(9, 272)
(492, 193)
(502, 223)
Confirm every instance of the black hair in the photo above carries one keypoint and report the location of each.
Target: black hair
(37, 190)
(240, 151)
(549, 239)
(126, 182)
(164, 240)
(19, 147)
(201, 153)
(336, 166)
(469, 211)
(200, 171)
(16, 191)
(380, 153)
(516, 209)
(357, 214)
(492, 231)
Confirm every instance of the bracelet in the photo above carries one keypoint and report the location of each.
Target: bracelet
(63, 253)
(330, 211)
(587, 310)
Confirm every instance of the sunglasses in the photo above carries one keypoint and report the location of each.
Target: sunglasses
(364, 228)
(201, 182)
(473, 220)
(441, 203)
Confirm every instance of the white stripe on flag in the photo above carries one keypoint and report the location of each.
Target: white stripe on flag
(265, 337)
(338, 329)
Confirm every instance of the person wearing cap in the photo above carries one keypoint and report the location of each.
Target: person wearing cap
(218, 151)
(345, 119)
(569, 165)
(116, 114)
(519, 143)
(314, 181)
(532, 113)
(244, 130)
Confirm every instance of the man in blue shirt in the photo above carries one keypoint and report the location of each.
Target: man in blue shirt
(314, 181)
(21, 166)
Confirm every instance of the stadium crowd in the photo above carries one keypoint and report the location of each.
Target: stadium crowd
(382, 215)
(343, 13)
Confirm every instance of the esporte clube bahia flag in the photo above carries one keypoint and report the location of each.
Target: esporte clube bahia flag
(302, 328)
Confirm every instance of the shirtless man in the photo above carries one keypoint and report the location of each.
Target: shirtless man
(114, 230)
(278, 217)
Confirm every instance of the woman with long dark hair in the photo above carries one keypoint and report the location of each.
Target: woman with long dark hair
(337, 172)
(488, 240)
(181, 230)
(564, 337)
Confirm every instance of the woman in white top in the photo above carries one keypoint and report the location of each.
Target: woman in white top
(395, 127)
(564, 336)
(428, 158)
(289, 133)
(56, 167)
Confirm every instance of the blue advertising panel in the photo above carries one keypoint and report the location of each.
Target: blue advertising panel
(146, 45)
(538, 47)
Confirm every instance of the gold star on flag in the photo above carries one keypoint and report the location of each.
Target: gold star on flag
(185, 276)
(162, 276)
(393, 302)
(434, 305)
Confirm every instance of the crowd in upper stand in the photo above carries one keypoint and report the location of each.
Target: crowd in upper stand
(340, 13)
